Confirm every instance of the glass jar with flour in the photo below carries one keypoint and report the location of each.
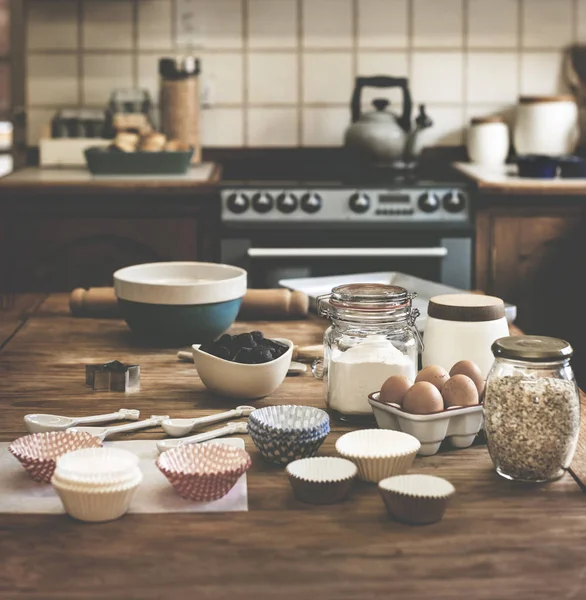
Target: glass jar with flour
(371, 338)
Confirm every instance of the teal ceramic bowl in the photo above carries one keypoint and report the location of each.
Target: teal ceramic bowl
(179, 303)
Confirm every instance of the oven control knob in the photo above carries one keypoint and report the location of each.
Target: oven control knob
(262, 203)
(311, 203)
(359, 203)
(238, 203)
(287, 203)
(428, 202)
(454, 202)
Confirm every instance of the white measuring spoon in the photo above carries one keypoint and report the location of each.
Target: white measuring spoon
(103, 432)
(40, 423)
(181, 427)
(203, 437)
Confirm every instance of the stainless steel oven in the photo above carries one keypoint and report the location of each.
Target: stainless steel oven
(285, 231)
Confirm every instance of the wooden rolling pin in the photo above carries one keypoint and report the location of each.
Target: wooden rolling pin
(266, 305)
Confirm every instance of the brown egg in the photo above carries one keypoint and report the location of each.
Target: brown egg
(434, 374)
(460, 390)
(472, 370)
(394, 389)
(423, 398)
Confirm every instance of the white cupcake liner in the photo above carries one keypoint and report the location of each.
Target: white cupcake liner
(378, 453)
(97, 467)
(97, 505)
(322, 469)
(416, 499)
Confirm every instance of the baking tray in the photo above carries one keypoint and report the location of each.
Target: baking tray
(425, 289)
(106, 162)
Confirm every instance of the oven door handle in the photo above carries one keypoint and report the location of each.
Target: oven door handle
(434, 252)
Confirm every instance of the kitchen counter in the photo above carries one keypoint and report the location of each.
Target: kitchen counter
(52, 181)
(504, 180)
(497, 540)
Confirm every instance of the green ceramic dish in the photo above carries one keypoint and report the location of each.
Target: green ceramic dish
(107, 162)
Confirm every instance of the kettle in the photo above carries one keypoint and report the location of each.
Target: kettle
(380, 138)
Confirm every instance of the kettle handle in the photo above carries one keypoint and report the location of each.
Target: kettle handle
(383, 81)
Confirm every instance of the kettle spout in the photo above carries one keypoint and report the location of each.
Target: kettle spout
(421, 122)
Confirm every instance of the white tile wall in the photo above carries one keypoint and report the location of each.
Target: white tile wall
(108, 25)
(383, 23)
(547, 24)
(492, 77)
(102, 74)
(438, 23)
(273, 127)
(493, 23)
(437, 76)
(541, 73)
(327, 77)
(155, 29)
(327, 23)
(281, 72)
(272, 78)
(52, 25)
(272, 24)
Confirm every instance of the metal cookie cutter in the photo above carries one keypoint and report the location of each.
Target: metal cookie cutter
(113, 376)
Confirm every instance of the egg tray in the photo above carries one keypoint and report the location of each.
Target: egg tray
(459, 425)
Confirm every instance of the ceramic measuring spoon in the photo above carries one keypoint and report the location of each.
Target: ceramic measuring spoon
(103, 432)
(203, 437)
(181, 427)
(40, 423)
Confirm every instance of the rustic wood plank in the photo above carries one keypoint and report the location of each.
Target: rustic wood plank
(497, 541)
(14, 310)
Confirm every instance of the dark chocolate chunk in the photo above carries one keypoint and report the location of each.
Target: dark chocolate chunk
(225, 340)
(257, 336)
(262, 354)
(244, 340)
(244, 356)
(279, 347)
(223, 352)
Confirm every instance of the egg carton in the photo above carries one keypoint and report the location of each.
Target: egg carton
(459, 424)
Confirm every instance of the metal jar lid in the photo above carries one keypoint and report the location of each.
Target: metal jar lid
(466, 307)
(179, 67)
(532, 348)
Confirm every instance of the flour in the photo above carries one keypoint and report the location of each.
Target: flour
(361, 370)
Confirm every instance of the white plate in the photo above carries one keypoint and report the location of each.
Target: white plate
(315, 286)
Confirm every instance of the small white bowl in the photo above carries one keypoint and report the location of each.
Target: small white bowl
(416, 499)
(378, 453)
(238, 380)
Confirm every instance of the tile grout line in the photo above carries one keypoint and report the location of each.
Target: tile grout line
(520, 12)
(134, 63)
(244, 11)
(80, 59)
(300, 72)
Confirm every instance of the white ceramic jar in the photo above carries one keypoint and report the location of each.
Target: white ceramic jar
(546, 125)
(488, 141)
(463, 327)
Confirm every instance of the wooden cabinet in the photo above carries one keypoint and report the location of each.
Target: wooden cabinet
(58, 250)
(534, 257)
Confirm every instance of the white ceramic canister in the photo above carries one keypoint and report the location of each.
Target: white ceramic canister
(546, 125)
(488, 141)
(463, 327)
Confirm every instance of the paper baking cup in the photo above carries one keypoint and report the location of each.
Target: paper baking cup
(38, 452)
(203, 472)
(99, 504)
(378, 453)
(416, 499)
(96, 467)
(290, 418)
(321, 480)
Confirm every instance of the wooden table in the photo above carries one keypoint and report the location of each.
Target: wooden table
(497, 540)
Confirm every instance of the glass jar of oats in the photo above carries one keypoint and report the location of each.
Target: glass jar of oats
(531, 408)
(179, 101)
